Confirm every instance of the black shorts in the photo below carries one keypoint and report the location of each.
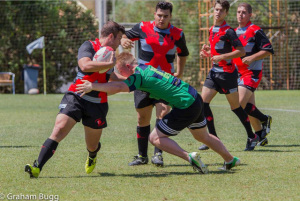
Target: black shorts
(224, 83)
(142, 99)
(93, 115)
(178, 119)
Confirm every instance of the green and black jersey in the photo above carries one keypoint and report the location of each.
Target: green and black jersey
(162, 85)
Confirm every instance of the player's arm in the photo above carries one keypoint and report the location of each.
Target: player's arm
(264, 46)
(257, 56)
(130, 36)
(126, 42)
(116, 77)
(236, 43)
(205, 51)
(87, 65)
(110, 87)
(239, 52)
(182, 54)
(180, 66)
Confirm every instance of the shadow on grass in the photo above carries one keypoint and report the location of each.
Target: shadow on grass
(18, 146)
(272, 150)
(141, 175)
(287, 145)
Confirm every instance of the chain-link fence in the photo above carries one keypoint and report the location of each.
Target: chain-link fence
(66, 25)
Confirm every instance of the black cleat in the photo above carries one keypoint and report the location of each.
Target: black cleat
(157, 160)
(139, 160)
(263, 142)
(203, 147)
(251, 143)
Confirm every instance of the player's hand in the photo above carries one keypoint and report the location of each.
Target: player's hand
(126, 43)
(204, 53)
(247, 60)
(217, 58)
(113, 59)
(84, 88)
(177, 75)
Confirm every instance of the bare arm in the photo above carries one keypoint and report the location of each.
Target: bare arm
(87, 65)
(239, 52)
(180, 66)
(116, 77)
(257, 56)
(110, 87)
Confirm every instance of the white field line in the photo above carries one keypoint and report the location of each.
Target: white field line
(271, 109)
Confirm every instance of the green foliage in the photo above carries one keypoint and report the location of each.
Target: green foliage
(65, 27)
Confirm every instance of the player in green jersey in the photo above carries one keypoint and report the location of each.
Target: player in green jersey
(186, 103)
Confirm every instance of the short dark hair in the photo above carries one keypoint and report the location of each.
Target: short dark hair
(224, 4)
(247, 6)
(111, 27)
(164, 6)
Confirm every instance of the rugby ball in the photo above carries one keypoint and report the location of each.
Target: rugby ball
(103, 55)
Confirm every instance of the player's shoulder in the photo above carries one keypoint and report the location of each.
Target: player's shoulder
(254, 28)
(175, 28)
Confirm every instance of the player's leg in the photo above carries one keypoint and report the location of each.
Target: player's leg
(94, 120)
(93, 145)
(260, 122)
(142, 132)
(162, 141)
(161, 110)
(233, 100)
(143, 105)
(62, 127)
(207, 95)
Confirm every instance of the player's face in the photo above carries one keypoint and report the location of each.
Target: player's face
(243, 16)
(114, 42)
(219, 13)
(162, 18)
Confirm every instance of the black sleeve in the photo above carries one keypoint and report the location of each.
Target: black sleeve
(262, 42)
(182, 48)
(233, 38)
(133, 33)
(86, 50)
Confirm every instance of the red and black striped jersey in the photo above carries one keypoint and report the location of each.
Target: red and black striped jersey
(157, 47)
(89, 49)
(222, 40)
(254, 40)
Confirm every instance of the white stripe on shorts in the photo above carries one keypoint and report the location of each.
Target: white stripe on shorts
(198, 125)
(167, 128)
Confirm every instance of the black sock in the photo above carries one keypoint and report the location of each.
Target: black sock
(210, 119)
(258, 133)
(245, 120)
(46, 152)
(157, 150)
(94, 153)
(254, 112)
(142, 137)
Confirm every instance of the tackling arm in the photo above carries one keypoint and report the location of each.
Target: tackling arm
(110, 87)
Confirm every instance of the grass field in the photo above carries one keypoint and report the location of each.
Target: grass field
(268, 173)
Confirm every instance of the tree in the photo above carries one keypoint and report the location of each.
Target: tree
(65, 26)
